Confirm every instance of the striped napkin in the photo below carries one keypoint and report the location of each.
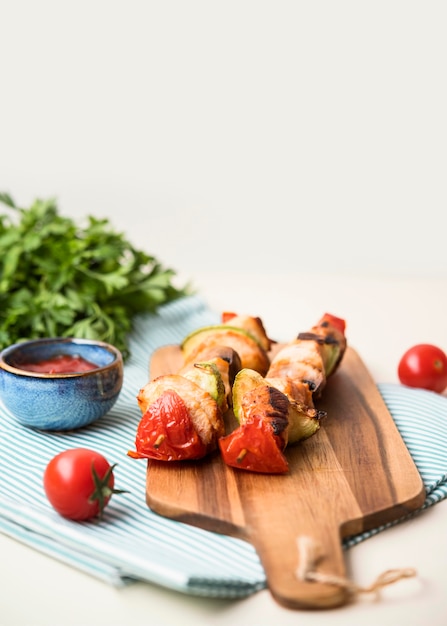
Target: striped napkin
(131, 542)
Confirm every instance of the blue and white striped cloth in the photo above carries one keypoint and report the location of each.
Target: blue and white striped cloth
(133, 543)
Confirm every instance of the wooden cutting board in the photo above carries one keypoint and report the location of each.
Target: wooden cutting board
(354, 474)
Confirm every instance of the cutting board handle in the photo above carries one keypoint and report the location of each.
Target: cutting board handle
(287, 555)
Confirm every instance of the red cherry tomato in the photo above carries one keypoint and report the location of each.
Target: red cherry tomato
(424, 366)
(79, 483)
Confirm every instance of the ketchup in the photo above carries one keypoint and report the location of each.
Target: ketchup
(62, 364)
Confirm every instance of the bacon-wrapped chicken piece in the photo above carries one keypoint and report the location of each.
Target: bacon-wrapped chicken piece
(252, 325)
(313, 355)
(244, 334)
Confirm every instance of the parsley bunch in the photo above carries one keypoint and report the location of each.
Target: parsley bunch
(58, 279)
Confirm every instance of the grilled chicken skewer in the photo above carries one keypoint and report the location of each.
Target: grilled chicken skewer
(268, 421)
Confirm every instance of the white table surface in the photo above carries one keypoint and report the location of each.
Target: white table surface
(385, 315)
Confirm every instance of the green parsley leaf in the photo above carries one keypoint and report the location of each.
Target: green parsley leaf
(61, 278)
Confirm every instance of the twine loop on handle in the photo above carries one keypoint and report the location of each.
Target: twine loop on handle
(310, 556)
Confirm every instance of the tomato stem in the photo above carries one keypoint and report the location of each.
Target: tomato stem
(102, 490)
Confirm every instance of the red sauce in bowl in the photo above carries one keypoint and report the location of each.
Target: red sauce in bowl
(62, 364)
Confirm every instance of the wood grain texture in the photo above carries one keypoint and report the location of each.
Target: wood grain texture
(355, 473)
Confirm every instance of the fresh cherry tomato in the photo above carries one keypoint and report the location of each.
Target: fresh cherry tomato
(253, 446)
(79, 483)
(166, 431)
(424, 366)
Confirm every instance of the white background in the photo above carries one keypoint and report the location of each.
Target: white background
(239, 134)
(288, 158)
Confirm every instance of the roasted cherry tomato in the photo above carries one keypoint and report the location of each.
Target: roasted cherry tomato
(227, 316)
(253, 446)
(166, 431)
(79, 483)
(424, 366)
(336, 322)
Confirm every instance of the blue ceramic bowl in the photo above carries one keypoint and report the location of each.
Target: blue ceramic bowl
(60, 401)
